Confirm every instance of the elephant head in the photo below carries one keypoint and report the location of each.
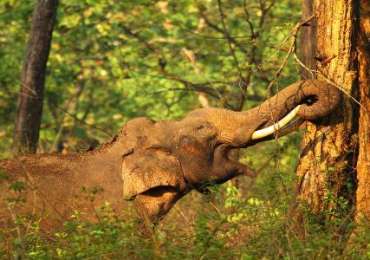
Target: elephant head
(170, 158)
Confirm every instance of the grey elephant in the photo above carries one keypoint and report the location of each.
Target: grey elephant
(156, 163)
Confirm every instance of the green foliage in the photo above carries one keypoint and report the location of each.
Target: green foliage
(18, 186)
(111, 61)
(230, 225)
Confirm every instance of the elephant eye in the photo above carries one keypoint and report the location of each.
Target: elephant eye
(310, 100)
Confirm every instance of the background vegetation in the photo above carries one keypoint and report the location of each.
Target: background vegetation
(111, 61)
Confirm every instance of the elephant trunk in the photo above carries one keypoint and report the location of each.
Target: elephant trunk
(315, 98)
(307, 100)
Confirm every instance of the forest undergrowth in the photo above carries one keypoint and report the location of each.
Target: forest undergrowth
(243, 219)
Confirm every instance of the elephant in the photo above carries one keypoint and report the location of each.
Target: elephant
(154, 164)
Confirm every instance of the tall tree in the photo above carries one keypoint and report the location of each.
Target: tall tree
(363, 163)
(30, 101)
(327, 164)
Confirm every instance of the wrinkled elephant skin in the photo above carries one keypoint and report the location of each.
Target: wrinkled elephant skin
(156, 163)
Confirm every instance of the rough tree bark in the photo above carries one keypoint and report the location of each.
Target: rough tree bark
(307, 38)
(30, 100)
(326, 170)
(363, 163)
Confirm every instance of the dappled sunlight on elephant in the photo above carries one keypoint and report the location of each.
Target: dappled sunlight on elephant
(154, 164)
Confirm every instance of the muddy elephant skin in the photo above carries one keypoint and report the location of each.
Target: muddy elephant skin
(152, 163)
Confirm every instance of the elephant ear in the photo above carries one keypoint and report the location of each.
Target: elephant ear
(146, 169)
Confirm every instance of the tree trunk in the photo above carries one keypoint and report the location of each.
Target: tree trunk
(363, 163)
(308, 34)
(326, 170)
(30, 101)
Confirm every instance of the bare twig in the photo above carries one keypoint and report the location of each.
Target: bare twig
(331, 82)
(291, 50)
(223, 32)
(229, 41)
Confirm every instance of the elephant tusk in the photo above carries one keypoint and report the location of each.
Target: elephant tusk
(277, 126)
